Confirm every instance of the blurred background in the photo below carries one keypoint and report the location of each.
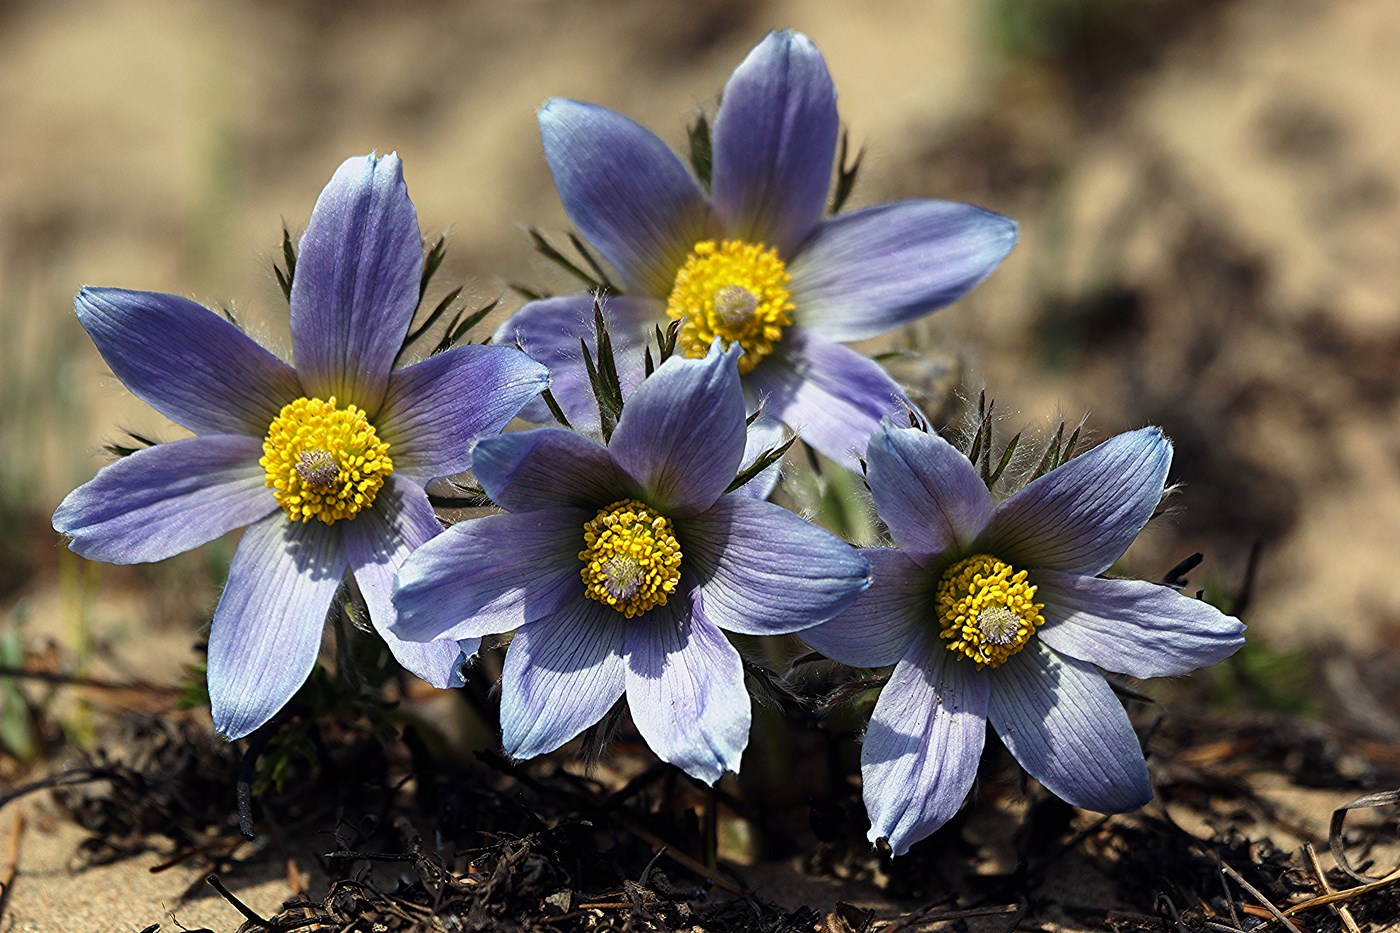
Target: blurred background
(1208, 193)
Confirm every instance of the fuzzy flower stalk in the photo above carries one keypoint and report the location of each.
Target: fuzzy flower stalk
(743, 253)
(324, 461)
(998, 613)
(620, 568)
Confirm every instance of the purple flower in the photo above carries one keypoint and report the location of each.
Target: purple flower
(997, 613)
(622, 566)
(325, 462)
(752, 261)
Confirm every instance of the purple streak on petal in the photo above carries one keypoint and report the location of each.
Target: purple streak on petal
(878, 628)
(774, 143)
(681, 434)
(765, 433)
(830, 394)
(550, 329)
(546, 468)
(187, 362)
(685, 688)
(1082, 516)
(356, 282)
(377, 542)
(625, 191)
(435, 410)
(1135, 628)
(267, 630)
(562, 674)
(925, 738)
(1063, 723)
(867, 272)
(489, 575)
(167, 499)
(758, 569)
(926, 492)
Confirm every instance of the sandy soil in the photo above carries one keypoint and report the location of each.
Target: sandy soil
(50, 895)
(1239, 185)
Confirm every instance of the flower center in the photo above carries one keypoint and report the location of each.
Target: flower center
(631, 559)
(736, 291)
(986, 609)
(324, 462)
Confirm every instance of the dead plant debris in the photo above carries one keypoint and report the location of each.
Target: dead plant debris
(417, 843)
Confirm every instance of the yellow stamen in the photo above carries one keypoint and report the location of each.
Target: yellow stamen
(631, 559)
(986, 609)
(324, 462)
(736, 291)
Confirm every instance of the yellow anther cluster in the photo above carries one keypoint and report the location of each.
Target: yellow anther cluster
(736, 291)
(324, 462)
(986, 609)
(631, 559)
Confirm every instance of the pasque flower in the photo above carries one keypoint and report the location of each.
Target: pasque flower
(997, 613)
(325, 461)
(751, 260)
(622, 566)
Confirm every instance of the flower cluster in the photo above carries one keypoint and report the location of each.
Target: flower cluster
(746, 255)
(1023, 621)
(324, 461)
(670, 562)
(628, 543)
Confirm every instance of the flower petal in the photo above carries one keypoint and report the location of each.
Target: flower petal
(926, 491)
(562, 674)
(267, 630)
(489, 575)
(625, 191)
(377, 542)
(187, 362)
(167, 499)
(435, 410)
(1135, 628)
(548, 467)
(828, 393)
(762, 570)
(681, 435)
(867, 272)
(685, 688)
(1063, 723)
(550, 330)
(774, 143)
(1082, 516)
(878, 628)
(356, 282)
(925, 738)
